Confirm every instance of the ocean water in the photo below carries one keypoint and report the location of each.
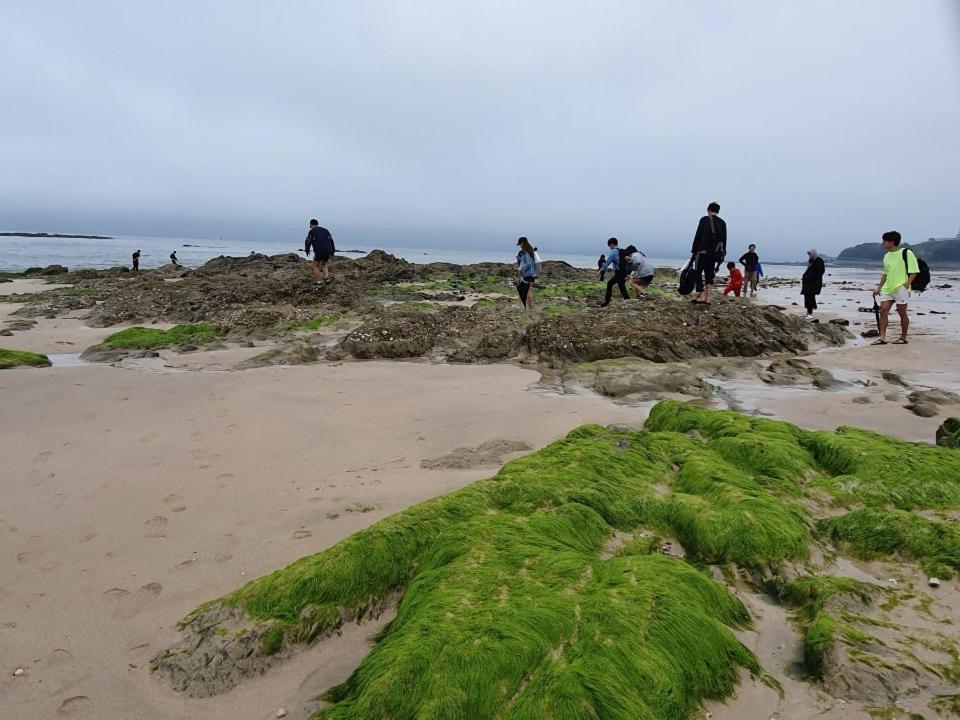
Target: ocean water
(18, 253)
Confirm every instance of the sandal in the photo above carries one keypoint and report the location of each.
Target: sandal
(899, 341)
(879, 342)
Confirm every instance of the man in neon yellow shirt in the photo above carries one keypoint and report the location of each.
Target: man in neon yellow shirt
(899, 270)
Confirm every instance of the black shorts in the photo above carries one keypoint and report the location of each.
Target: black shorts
(320, 257)
(529, 279)
(706, 264)
(644, 281)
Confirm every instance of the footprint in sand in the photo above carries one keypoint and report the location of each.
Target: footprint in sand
(223, 552)
(59, 657)
(174, 503)
(77, 705)
(43, 456)
(301, 534)
(155, 526)
(223, 479)
(130, 604)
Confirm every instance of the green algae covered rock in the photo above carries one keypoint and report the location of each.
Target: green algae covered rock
(511, 604)
(948, 434)
(22, 358)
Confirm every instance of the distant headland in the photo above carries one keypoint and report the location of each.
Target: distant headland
(54, 235)
(942, 251)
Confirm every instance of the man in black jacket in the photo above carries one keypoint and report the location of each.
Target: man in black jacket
(320, 241)
(709, 250)
(750, 260)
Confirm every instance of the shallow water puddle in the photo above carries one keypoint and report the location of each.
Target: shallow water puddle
(67, 360)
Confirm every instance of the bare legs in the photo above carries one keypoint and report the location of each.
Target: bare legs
(320, 269)
(885, 319)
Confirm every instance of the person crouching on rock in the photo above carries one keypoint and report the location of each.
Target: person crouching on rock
(642, 272)
(320, 242)
(527, 263)
(173, 258)
(735, 284)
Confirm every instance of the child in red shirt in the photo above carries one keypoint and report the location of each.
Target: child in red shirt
(736, 280)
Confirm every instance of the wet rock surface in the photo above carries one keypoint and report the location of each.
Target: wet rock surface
(488, 453)
(457, 313)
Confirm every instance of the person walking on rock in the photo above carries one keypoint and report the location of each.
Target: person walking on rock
(527, 263)
(750, 261)
(709, 250)
(812, 282)
(136, 261)
(173, 258)
(620, 268)
(900, 268)
(320, 242)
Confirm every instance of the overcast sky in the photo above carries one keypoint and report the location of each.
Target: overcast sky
(441, 122)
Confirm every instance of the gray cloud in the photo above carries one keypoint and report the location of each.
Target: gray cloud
(430, 122)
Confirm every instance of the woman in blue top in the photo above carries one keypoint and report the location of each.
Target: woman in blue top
(527, 262)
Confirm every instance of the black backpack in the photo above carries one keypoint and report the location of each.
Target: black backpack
(688, 277)
(922, 279)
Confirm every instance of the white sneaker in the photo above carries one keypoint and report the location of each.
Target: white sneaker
(808, 317)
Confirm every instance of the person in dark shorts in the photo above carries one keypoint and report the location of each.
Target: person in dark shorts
(709, 249)
(600, 262)
(320, 242)
(620, 269)
(173, 258)
(527, 263)
(641, 273)
(750, 261)
(136, 261)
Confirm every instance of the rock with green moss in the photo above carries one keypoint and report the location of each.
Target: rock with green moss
(22, 358)
(511, 601)
(948, 434)
(140, 341)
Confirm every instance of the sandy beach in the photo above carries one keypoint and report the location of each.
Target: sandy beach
(131, 494)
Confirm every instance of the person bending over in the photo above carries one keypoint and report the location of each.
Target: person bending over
(735, 284)
(642, 274)
(320, 242)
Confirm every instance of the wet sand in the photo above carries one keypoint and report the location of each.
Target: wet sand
(132, 494)
(130, 497)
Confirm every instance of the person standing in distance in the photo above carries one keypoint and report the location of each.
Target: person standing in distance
(173, 258)
(709, 250)
(320, 242)
(750, 260)
(136, 261)
(900, 268)
(527, 265)
(811, 282)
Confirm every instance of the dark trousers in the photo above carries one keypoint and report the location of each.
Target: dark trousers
(810, 302)
(620, 280)
(705, 267)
